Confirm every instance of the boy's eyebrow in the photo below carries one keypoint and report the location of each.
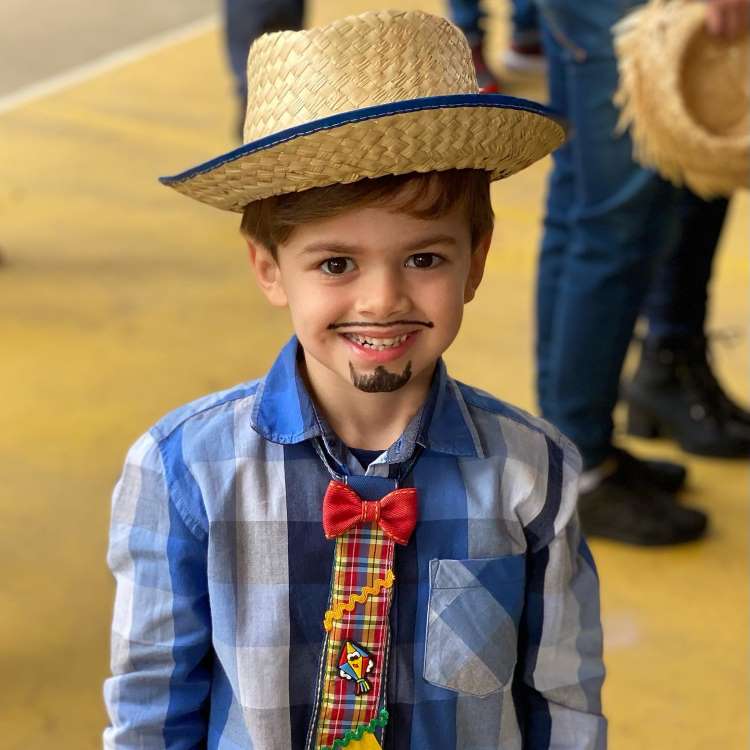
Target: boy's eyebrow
(342, 248)
(327, 246)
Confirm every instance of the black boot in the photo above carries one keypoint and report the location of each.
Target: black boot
(699, 358)
(675, 393)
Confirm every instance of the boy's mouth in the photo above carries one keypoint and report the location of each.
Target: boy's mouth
(380, 343)
(376, 342)
(378, 349)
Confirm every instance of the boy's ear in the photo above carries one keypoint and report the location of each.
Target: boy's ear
(267, 273)
(476, 268)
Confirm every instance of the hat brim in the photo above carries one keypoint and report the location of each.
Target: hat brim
(492, 132)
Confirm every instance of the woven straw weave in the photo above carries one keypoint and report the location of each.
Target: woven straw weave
(686, 96)
(294, 78)
(297, 78)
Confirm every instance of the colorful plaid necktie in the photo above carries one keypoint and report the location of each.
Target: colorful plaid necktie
(356, 647)
(351, 706)
(350, 696)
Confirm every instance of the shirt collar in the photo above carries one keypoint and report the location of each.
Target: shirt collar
(284, 412)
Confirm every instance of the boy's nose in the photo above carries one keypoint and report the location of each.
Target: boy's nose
(383, 295)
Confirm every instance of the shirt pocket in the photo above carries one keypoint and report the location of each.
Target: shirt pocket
(472, 623)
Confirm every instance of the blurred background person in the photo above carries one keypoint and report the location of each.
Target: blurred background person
(607, 218)
(524, 54)
(244, 22)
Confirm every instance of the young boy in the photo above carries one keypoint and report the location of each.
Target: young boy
(356, 550)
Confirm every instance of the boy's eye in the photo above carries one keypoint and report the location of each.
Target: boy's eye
(424, 260)
(337, 266)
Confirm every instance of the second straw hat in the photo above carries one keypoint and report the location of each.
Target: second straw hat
(386, 92)
(685, 94)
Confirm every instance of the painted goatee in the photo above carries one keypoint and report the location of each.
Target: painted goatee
(380, 381)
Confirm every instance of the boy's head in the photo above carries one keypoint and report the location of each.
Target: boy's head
(375, 273)
(383, 261)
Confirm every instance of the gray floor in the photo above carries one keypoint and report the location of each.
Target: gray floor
(47, 37)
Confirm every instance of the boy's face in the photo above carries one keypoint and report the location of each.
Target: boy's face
(375, 295)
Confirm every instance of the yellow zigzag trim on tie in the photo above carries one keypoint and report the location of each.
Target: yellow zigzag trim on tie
(337, 611)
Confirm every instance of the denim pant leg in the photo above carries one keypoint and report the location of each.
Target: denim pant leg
(607, 218)
(524, 21)
(245, 21)
(557, 221)
(677, 302)
(469, 17)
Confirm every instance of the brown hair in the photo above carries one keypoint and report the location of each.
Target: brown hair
(429, 195)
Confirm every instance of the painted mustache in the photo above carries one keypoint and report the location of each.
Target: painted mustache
(354, 324)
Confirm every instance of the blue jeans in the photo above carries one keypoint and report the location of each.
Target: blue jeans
(677, 302)
(245, 21)
(469, 16)
(607, 219)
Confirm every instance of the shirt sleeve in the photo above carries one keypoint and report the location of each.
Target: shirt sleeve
(560, 648)
(161, 652)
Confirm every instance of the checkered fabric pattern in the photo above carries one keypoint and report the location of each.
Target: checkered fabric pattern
(223, 578)
(479, 660)
(363, 556)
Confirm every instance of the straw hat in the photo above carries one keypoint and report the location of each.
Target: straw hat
(686, 96)
(380, 93)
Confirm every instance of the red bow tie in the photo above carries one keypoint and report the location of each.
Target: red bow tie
(343, 509)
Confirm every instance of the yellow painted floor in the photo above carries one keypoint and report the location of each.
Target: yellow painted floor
(120, 300)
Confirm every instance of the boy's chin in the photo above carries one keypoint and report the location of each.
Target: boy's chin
(380, 380)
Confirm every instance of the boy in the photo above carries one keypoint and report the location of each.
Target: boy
(358, 551)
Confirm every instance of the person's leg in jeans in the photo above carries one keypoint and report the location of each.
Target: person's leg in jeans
(675, 390)
(561, 189)
(469, 16)
(676, 306)
(244, 22)
(606, 220)
(524, 18)
(596, 252)
(524, 54)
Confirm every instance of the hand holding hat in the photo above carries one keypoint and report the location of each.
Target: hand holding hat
(685, 92)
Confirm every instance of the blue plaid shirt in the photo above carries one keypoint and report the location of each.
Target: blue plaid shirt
(223, 575)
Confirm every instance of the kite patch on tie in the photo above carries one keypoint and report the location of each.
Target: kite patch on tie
(355, 664)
